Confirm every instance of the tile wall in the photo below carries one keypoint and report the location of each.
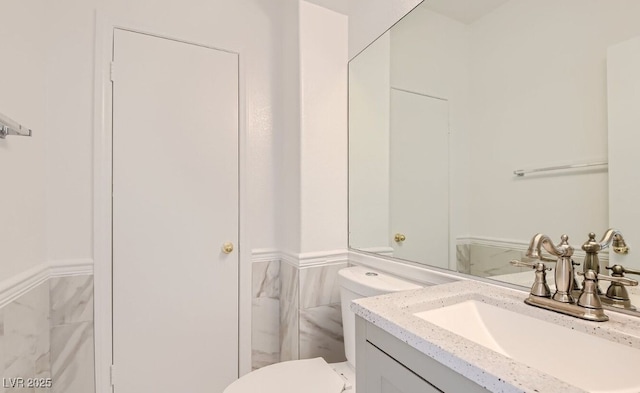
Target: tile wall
(72, 358)
(487, 261)
(493, 260)
(289, 315)
(48, 333)
(320, 315)
(298, 315)
(265, 305)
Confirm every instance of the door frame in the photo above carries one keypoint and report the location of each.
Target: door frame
(102, 199)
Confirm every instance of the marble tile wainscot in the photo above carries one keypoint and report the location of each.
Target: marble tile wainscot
(47, 332)
(72, 358)
(265, 310)
(310, 312)
(25, 339)
(321, 314)
(289, 313)
(487, 257)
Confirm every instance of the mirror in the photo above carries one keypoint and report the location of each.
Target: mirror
(457, 96)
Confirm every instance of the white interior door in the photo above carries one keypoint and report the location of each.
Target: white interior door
(419, 177)
(175, 202)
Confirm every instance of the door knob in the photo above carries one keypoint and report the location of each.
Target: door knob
(227, 248)
(399, 238)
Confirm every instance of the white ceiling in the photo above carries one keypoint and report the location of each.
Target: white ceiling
(341, 6)
(465, 11)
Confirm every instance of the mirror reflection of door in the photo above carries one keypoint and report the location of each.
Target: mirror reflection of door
(419, 173)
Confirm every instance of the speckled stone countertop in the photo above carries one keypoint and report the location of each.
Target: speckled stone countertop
(497, 373)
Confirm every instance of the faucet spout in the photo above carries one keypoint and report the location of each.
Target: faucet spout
(540, 241)
(611, 236)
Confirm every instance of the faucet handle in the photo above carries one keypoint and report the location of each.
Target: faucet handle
(539, 287)
(589, 296)
(593, 276)
(539, 266)
(619, 271)
(617, 295)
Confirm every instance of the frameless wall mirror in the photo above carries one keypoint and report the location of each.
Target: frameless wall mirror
(454, 98)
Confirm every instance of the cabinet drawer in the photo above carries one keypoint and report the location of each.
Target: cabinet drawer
(386, 375)
(416, 366)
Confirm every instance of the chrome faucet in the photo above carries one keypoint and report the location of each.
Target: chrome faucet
(588, 305)
(564, 266)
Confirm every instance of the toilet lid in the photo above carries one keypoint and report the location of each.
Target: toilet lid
(296, 376)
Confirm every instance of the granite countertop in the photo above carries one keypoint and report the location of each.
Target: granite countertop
(394, 314)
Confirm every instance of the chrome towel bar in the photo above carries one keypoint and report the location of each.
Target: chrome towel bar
(10, 127)
(522, 172)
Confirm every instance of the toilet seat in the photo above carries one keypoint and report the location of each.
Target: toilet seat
(296, 376)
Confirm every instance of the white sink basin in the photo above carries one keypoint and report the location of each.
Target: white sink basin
(590, 363)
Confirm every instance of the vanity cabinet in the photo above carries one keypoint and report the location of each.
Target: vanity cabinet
(385, 364)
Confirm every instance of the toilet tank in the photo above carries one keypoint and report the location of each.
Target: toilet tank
(358, 282)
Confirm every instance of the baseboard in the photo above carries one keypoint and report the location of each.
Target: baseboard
(265, 255)
(384, 251)
(311, 259)
(16, 286)
(71, 267)
(493, 242)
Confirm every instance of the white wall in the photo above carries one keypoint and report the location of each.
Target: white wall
(22, 159)
(539, 98)
(253, 28)
(369, 100)
(340, 6)
(323, 148)
(288, 145)
(368, 19)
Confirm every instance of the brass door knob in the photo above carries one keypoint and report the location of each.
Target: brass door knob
(227, 248)
(399, 238)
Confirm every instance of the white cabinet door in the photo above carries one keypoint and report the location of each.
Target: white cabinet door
(385, 375)
(175, 202)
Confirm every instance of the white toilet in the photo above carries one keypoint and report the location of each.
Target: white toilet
(316, 375)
